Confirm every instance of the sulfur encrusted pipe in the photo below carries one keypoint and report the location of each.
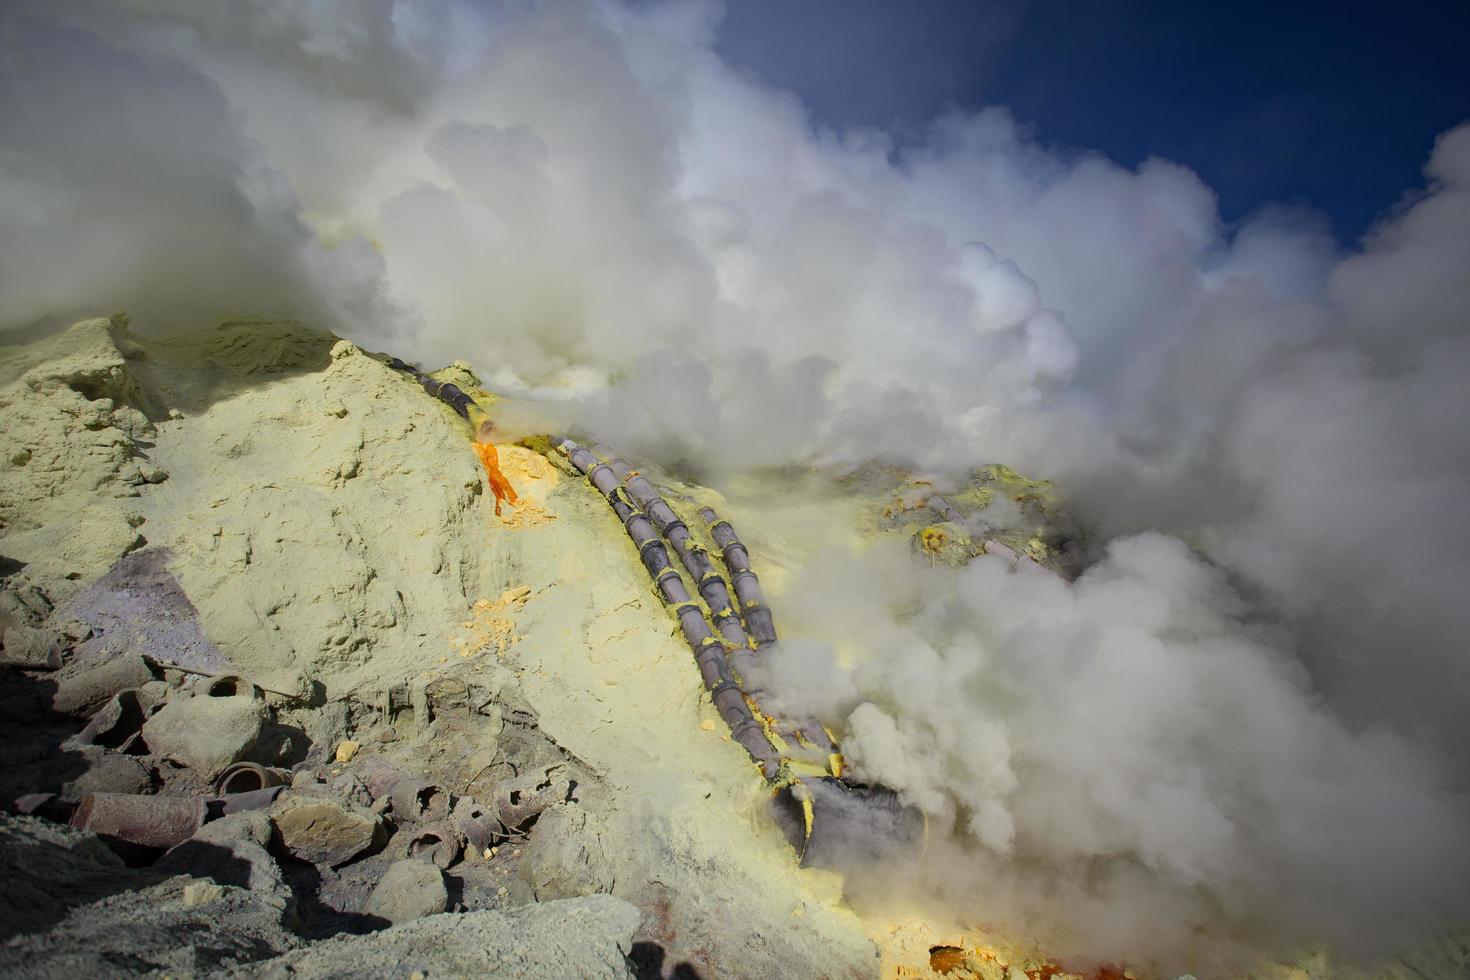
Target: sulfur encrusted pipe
(648, 498)
(757, 618)
(450, 394)
(711, 586)
(747, 587)
(712, 589)
(709, 654)
(946, 510)
(800, 802)
(447, 393)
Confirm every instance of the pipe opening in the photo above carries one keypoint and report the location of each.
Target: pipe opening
(229, 686)
(423, 845)
(242, 781)
(424, 798)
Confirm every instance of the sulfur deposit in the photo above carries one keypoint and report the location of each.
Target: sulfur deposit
(313, 708)
(287, 508)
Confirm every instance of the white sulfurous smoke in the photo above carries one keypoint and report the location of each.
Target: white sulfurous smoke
(1128, 757)
(1260, 735)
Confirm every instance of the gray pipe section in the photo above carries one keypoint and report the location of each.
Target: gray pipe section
(757, 614)
(640, 529)
(648, 498)
(712, 587)
(747, 587)
(946, 510)
(447, 393)
(600, 475)
(709, 653)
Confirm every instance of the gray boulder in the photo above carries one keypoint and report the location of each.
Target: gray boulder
(583, 937)
(253, 826)
(174, 928)
(49, 869)
(232, 851)
(70, 908)
(410, 890)
(564, 857)
(205, 733)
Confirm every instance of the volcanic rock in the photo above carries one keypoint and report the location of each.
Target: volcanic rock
(564, 857)
(409, 890)
(108, 772)
(205, 733)
(68, 453)
(30, 648)
(326, 833)
(232, 851)
(585, 937)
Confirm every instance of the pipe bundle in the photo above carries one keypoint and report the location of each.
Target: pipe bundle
(819, 812)
(762, 627)
(709, 652)
(701, 568)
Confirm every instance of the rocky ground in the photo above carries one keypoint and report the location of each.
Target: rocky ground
(262, 546)
(282, 695)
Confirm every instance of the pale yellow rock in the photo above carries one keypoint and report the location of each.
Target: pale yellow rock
(70, 448)
(347, 749)
(202, 893)
(206, 734)
(325, 832)
(316, 544)
(343, 548)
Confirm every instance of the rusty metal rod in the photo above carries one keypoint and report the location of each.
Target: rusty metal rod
(165, 665)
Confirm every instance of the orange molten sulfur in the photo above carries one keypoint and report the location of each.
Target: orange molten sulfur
(499, 485)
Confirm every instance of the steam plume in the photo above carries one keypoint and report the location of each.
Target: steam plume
(584, 201)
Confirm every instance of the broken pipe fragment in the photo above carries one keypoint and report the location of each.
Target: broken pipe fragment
(244, 777)
(149, 821)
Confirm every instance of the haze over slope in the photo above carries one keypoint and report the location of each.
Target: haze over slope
(583, 201)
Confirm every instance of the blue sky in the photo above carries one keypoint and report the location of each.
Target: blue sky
(1335, 106)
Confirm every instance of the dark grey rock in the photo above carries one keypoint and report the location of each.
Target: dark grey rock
(107, 772)
(585, 937)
